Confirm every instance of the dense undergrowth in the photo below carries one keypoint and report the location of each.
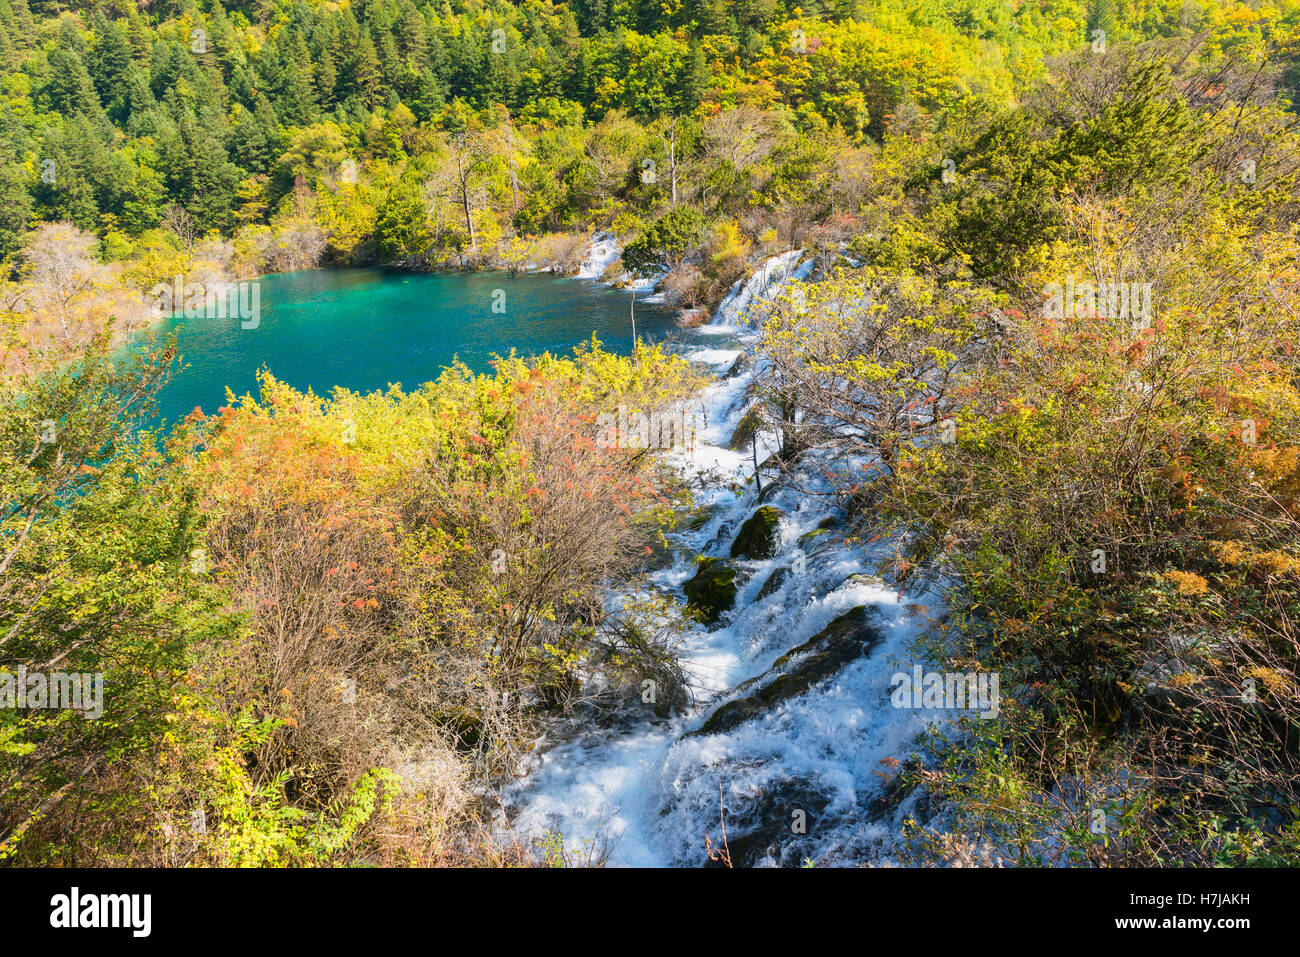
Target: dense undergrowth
(1112, 488)
(318, 620)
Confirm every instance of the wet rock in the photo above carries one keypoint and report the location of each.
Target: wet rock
(741, 364)
(719, 541)
(757, 537)
(903, 784)
(774, 582)
(696, 519)
(822, 529)
(848, 637)
(774, 825)
(768, 491)
(860, 578)
(746, 429)
(712, 591)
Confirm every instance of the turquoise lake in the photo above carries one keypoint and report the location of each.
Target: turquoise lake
(365, 328)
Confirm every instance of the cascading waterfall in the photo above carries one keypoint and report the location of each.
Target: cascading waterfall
(604, 250)
(794, 777)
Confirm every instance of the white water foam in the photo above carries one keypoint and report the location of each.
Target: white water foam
(745, 302)
(604, 250)
(651, 794)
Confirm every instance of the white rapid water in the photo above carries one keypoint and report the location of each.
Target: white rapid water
(650, 795)
(743, 305)
(604, 250)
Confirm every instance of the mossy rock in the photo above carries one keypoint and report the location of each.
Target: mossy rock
(773, 583)
(757, 537)
(746, 429)
(848, 637)
(695, 519)
(711, 591)
(860, 578)
(823, 527)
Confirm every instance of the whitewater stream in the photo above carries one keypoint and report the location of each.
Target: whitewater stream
(799, 778)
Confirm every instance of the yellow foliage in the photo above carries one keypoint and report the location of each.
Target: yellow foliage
(1187, 583)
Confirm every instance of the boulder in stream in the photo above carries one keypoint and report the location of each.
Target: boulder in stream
(740, 366)
(757, 537)
(773, 583)
(823, 528)
(746, 429)
(712, 590)
(848, 637)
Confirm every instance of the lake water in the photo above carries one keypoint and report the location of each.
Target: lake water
(366, 328)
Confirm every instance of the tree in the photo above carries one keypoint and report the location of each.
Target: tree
(315, 152)
(15, 206)
(110, 58)
(461, 180)
(61, 265)
(1104, 17)
(366, 81)
(97, 578)
(665, 241)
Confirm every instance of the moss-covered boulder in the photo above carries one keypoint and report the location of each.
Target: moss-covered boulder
(695, 519)
(746, 429)
(848, 637)
(711, 591)
(774, 582)
(823, 528)
(757, 537)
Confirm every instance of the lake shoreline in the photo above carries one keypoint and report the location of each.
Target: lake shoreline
(364, 328)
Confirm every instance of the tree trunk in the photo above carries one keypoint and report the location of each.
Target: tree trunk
(672, 159)
(469, 224)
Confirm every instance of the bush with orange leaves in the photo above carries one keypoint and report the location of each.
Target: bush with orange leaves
(1118, 500)
(423, 571)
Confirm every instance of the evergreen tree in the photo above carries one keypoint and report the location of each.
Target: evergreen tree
(296, 92)
(365, 79)
(256, 142)
(110, 59)
(8, 52)
(326, 78)
(15, 206)
(1104, 17)
(695, 82)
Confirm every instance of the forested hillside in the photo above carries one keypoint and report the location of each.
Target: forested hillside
(114, 112)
